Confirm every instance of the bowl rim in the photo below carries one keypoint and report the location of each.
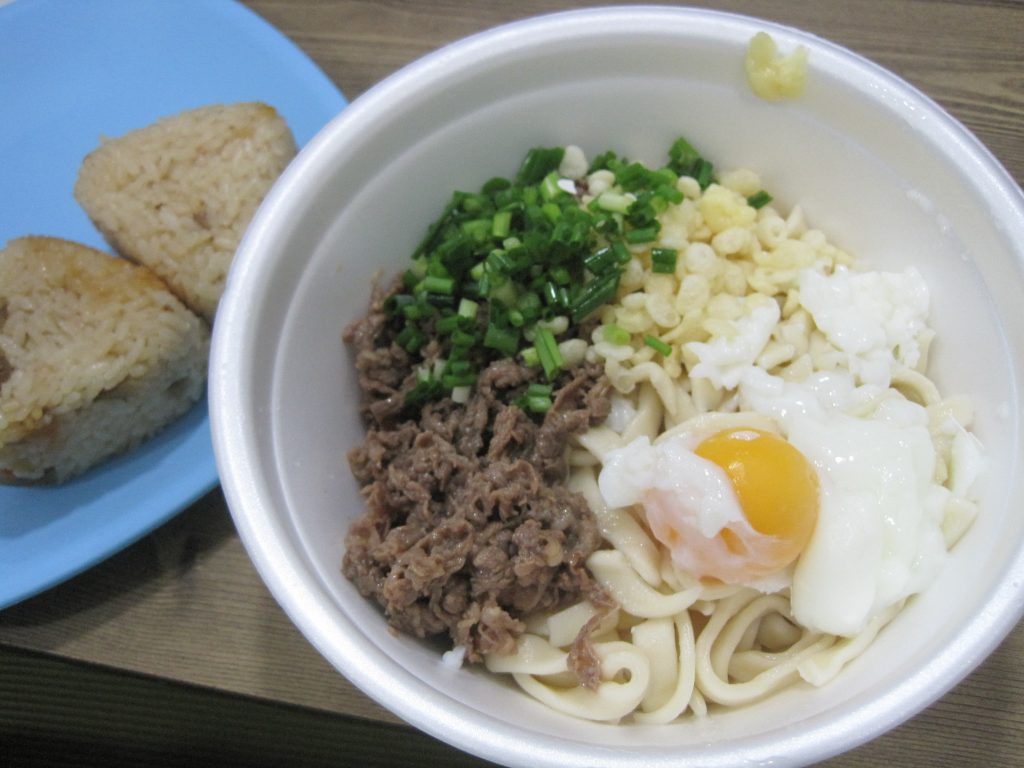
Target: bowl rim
(302, 597)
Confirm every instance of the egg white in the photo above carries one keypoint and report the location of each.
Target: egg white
(878, 537)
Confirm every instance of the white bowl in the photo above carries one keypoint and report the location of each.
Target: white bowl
(877, 165)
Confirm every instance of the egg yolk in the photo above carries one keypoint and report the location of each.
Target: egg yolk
(776, 486)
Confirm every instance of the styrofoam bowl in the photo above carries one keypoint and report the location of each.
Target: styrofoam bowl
(878, 166)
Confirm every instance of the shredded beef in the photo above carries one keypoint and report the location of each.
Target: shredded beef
(467, 528)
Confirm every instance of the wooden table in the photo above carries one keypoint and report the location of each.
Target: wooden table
(173, 649)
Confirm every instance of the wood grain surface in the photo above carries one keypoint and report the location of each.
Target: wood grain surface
(173, 650)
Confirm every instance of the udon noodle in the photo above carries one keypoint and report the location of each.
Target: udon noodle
(675, 645)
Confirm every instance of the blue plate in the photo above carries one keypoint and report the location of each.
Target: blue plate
(71, 72)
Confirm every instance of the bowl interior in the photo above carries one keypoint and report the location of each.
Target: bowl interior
(873, 163)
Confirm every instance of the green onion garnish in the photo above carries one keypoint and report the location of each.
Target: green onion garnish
(501, 224)
(616, 334)
(548, 352)
(614, 202)
(442, 300)
(536, 398)
(704, 171)
(595, 293)
(601, 261)
(411, 339)
(417, 311)
(451, 380)
(505, 340)
(433, 284)
(538, 163)
(448, 324)
(657, 345)
(538, 404)
(461, 338)
(642, 235)
(759, 199)
(663, 260)
(549, 188)
(498, 264)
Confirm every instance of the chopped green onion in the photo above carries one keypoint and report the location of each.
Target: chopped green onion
(505, 340)
(423, 391)
(452, 380)
(435, 229)
(499, 265)
(437, 268)
(461, 338)
(657, 345)
(549, 188)
(614, 202)
(498, 261)
(439, 299)
(663, 260)
(686, 161)
(471, 203)
(642, 235)
(538, 163)
(670, 194)
(410, 279)
(539, 404)
(561, 275)
(448, 324)
(396, 302)
(454, 252)
(496, 184)
(615, 334)
(417, 311)
(601, 261)
(759, 199)
(505, 293)
(704, 171)
(548, 352)
(411, 339)
(535, 399)
(434, 284)
(501, 223)
(529, 304)
(477, 230)
(551, 211)
(594, 294)
(550, 293)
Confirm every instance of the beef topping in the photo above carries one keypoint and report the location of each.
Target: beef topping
(468, 528)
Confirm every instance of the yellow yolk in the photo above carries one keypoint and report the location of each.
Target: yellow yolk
(776, 486)
(739, 506)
